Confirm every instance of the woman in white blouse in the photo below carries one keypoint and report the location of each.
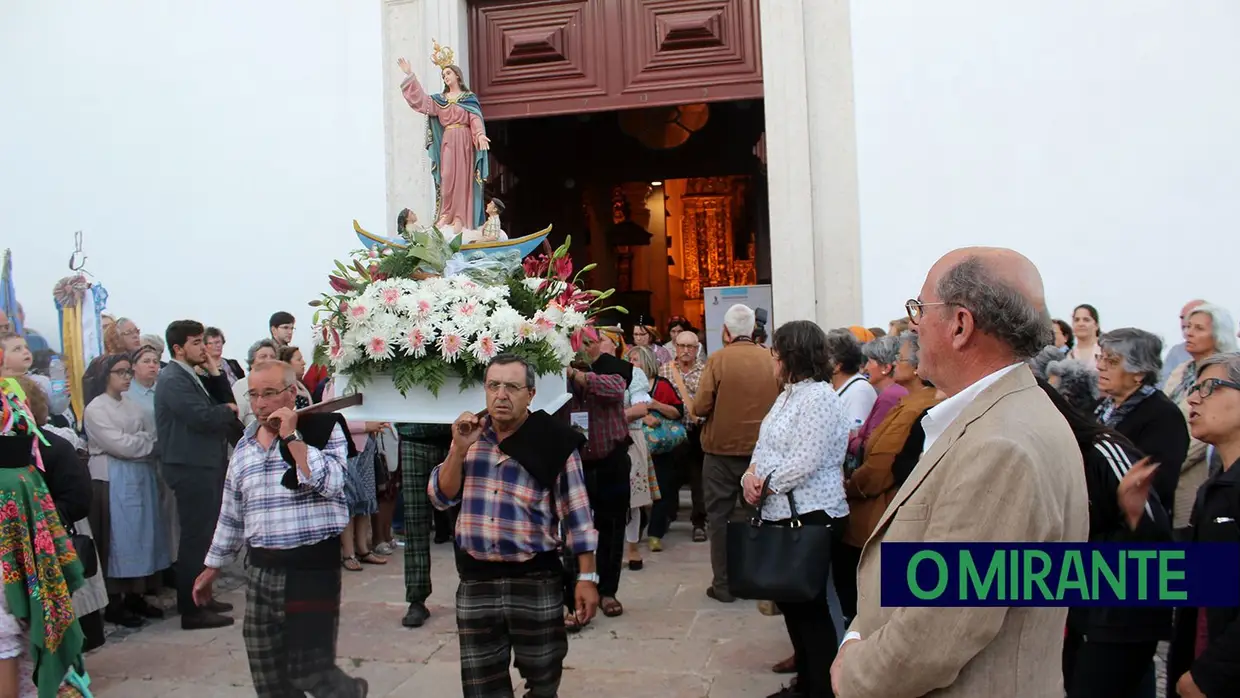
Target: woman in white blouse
(801, 448)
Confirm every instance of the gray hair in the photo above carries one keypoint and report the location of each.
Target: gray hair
(909, 339)
(1228, 360)
(506, 359)
(998, 309)
(885, 350)
(287, 372)
(1040, 363)
(739, 321)
(644, 358)
(1140, 351)
(1078, 383)
(155, 342)
(252, 354)
(1224, 327)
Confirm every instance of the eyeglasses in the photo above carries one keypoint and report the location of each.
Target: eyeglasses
(495, 386)
(122, 372)
(1207, 386)
(686, 346)
(266, 394)
(917, 309)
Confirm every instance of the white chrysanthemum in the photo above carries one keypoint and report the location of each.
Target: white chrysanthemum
(379, 346)
(344, 354)
(419, 304)
(572, 320)
(562, 347)
(526, 332)
(543, 324)
(504, 323)
(360, 313)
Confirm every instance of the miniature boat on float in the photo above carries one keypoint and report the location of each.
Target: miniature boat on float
(524, 245)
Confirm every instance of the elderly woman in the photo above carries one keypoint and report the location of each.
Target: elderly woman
(844, 353)
(872, 486)
(123, 337)
(882, 355)
(644, 336)
(1128, 370)
(1076, 382)
(262, 350)
(1205, 652)
(1208, 330)
(800, 448)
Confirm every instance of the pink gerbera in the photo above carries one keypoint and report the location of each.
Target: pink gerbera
(357, 311)
(423, 308)
(485, 348)
(378, 347)
(390, 296)
(450, 345)
(467, 309)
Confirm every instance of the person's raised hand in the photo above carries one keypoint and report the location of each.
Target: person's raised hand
(466, 430)
(404, 66)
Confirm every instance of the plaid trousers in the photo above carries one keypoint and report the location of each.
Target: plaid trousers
(276, 671)
(507, 618)
(417, 459)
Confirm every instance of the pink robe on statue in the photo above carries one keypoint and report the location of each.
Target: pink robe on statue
(456, 157)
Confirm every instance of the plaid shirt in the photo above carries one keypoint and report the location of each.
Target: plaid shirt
(506, 515)
(603, 400)
(259, 511)
(693, 378)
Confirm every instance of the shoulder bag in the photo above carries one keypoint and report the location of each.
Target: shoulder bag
(689, 416)
(85, 548)
(782, 562)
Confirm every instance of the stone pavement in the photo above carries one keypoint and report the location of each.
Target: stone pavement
(672, 641)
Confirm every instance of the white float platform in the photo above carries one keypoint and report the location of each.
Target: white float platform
(381, 402)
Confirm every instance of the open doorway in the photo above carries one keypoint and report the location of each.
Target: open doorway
(666, 201)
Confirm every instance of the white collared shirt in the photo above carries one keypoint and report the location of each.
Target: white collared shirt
(941, 416)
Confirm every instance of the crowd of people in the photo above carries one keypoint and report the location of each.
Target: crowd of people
(975, 417)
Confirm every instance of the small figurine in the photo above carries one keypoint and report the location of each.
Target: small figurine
(491, 230)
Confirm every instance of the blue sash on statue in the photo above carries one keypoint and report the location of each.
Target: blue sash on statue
(482, 164)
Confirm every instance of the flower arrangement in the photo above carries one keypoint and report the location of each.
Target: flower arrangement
(424, 312)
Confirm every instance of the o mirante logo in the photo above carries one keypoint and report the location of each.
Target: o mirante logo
(1060, 574)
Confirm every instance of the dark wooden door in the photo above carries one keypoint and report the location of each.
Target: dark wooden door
(549, 57)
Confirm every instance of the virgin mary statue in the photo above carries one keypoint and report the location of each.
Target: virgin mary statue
(457, 143)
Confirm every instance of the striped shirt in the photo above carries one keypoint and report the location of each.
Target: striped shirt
(506, 515)
(261, 512)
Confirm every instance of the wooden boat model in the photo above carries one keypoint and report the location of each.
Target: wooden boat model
(524, 245)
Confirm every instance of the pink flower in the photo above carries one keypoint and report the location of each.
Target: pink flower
(357, 311)
(485, 348)
(564, 268)
(535, 266)
(373, 253)
(543, 325)
(467, 309)
(526, 330)
(43, 542)
(389, 296)
(378, 347)
(344, 306)
(578, 339)
(423, 309)
(416, 338)
(450, 345)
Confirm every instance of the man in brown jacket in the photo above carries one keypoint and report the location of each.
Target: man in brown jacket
(737, 389)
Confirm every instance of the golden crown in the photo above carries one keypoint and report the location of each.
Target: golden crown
(441, 56)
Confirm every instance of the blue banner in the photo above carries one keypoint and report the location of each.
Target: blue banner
(1060, 574)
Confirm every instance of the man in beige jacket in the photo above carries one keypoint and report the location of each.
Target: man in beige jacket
(1000, 464)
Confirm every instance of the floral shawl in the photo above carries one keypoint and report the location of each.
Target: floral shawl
(40, 571)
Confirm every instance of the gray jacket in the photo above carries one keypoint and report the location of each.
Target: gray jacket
(193, 427)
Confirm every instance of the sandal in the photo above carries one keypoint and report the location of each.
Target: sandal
(571, 624)
(351, 564)
(372, 559)
(611, 607)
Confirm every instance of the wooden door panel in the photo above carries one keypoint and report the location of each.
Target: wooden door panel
(546, 57)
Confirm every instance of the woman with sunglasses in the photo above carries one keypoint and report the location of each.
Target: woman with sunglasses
(1205, 651)
(128, 520)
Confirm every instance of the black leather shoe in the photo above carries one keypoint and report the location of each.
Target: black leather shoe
(204, 620)
(416, 616)
(218, 606)
(117, 613)
(720, 596)
(136, 604)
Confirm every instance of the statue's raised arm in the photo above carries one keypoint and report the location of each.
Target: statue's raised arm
(457, 143)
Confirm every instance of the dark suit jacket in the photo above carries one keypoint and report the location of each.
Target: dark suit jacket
(67, 478)
(1158, 429)
(236, 368)
(193, 426)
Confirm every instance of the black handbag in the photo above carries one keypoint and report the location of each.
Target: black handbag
(787, 563)
(85, 548)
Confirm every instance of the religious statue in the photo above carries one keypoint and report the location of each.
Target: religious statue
(457, 142)
(491, 230)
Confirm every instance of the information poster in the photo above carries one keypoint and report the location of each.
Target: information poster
(719, 299)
